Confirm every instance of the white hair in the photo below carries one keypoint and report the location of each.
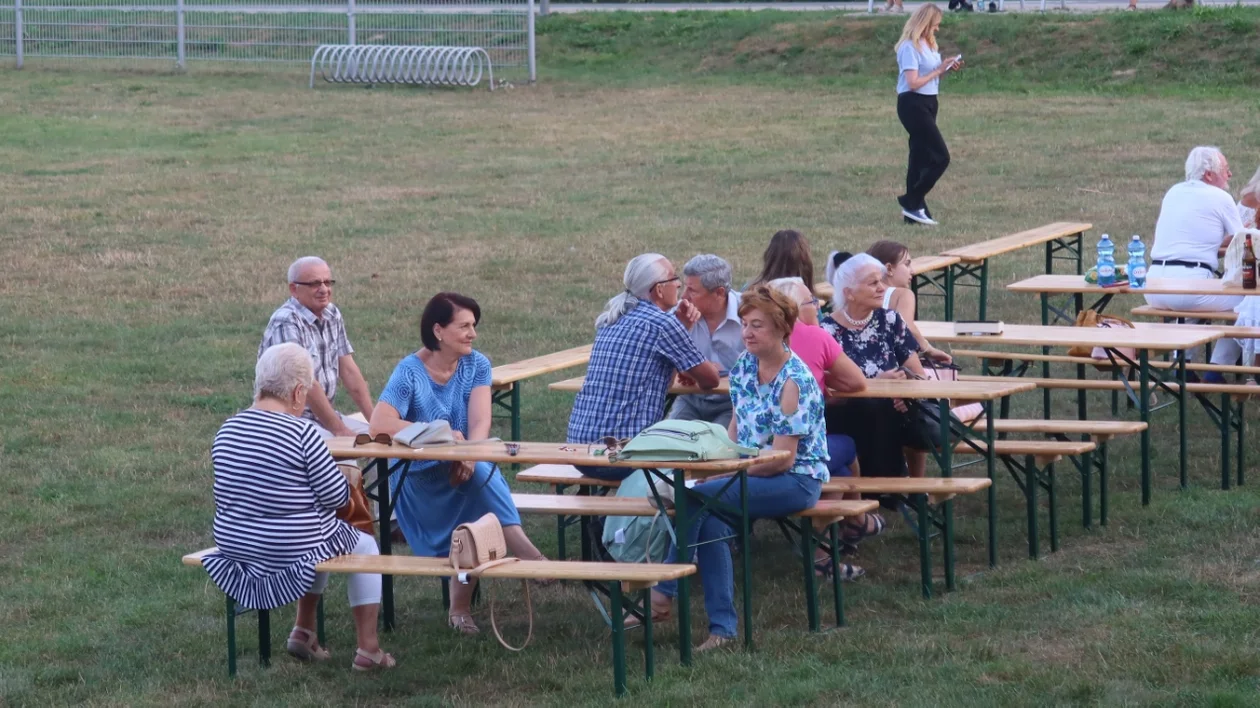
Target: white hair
(793, 287)
(1252, 186)
(642, 274)
(714, 272)
(281, 369)
(846, 275)
(296, 267)
(1204, 159)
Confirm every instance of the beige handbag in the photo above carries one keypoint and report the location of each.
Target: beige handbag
(479, 545)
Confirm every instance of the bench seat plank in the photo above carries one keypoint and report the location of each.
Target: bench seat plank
(1108, 428)
(507, 374)
(1113, 385)
(1149, 311)
(1033, 237)
(1037, 448)
(908, 485)
(1102, 363)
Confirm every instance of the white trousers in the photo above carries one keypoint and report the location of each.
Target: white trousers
(1225, 351)
(363, 588)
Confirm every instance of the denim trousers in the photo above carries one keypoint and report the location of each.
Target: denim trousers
(768, 498)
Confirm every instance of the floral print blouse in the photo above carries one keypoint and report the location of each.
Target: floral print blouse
(882, 345)
(758, 417)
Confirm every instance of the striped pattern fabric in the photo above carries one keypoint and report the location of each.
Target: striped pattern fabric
(276, 490)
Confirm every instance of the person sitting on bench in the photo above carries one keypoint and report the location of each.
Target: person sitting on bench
(638, 348)
(707, 286)
(276, 492)
(897, 293)
(778, 406)
(448, 380)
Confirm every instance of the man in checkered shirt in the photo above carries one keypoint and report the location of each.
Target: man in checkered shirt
(310, 319)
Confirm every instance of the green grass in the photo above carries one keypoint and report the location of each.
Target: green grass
(148, 219)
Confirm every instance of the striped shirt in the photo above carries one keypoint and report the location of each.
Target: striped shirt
(324, 337)
(276, 490)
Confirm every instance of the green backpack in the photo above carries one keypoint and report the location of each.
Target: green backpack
(638, 539)
(682, 440)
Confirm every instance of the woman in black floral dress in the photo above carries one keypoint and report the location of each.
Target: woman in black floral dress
(879, 342)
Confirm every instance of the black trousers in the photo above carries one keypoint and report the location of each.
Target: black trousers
(929, 156)
(881, 433)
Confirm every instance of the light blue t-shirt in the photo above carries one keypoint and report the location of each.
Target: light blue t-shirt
(912, 58)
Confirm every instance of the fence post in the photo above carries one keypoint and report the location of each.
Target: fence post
(533, 69)
(545, 7)
(180, 39)
(17, 31)
(350, 30)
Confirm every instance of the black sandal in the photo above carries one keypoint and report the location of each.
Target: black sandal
(872, 525)
(848, 571)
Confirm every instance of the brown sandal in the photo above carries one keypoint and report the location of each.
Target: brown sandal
(305, 649)
(363, 661)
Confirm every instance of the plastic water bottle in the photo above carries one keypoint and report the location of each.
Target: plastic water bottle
(1106, 262)
(1137, 263)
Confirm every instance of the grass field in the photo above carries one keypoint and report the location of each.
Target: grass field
(145, 225)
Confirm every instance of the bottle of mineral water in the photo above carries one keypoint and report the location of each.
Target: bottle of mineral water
(1106, 262)
(1137, 263)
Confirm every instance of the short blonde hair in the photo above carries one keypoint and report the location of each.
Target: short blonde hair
(916, 29)
(773, 304)
(281, 369)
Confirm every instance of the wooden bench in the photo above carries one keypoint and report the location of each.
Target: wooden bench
(1061, 237)
(824, 515)
(926, 495)
(932, 272)
(505, 380)
(620, 577)
(1100, 363)
(1180, 316)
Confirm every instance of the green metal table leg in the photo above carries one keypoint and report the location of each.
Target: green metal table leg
(745, 554)
(1054, 506)
(811, 589)
(1045, 365)
(947, 509)
(1182, 410)
(1103, 489)
(990, 461)
(984, 288)
(682, 530)
(231, 635)
(925, 549)
(1242, 432)
(949, 294)
(619, 638)
(1227, 432)
(1087, 493)
(264, 637)
(1144, 409)
(386, 506)
(516, 410)
(1030, 498)
(562, 528)
(1082, 411)
(836, 586)
(947, 437)
(649, 650)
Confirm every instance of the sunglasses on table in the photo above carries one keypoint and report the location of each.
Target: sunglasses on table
(364, 439)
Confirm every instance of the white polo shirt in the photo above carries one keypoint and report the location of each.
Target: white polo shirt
(1194, 219)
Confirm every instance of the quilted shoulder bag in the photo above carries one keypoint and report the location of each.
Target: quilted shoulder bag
(477, 546)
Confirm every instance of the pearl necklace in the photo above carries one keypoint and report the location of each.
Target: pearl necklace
(856, 323)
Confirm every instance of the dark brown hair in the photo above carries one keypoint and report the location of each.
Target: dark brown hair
(441, 311)
(773, 304)
(888, 252)
(787, 256)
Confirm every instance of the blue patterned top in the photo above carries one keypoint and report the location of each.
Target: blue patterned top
(632, 363)
(417, 397)
(758, 417)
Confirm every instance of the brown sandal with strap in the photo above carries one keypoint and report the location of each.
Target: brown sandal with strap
(305, 649)
(364, 661)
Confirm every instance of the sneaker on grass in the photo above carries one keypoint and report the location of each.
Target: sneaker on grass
(918, 216)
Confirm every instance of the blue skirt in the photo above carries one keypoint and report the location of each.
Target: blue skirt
(429, 508)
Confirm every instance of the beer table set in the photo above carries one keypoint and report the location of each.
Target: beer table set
(1076, 289)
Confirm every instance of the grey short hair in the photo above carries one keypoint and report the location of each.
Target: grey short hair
(714, 272)
(642, 274)
(295, 268)
(846, 276)
(1203, 159)
(792, 287)
(281, 369)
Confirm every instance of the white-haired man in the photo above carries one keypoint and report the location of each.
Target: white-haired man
(707, 286)
(309, 318)
(1197, 219)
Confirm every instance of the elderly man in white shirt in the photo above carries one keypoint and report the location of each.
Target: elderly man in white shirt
(707, 286)
(1198, 217)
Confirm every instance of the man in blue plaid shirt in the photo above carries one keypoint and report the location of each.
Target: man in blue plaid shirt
(639, 346)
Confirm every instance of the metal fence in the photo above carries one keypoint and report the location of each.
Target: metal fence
(184, 31)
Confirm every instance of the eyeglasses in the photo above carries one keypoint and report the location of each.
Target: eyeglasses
(674, 279)
(316, 283)
(808, 303)
(364, 439)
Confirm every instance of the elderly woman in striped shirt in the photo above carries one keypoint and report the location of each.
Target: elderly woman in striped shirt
(276, 492)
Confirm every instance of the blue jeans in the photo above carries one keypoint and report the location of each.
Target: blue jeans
(768, 498)
(843, 451)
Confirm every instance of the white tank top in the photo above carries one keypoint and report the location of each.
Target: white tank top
(888, 297)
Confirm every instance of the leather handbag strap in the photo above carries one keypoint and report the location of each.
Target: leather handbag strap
(529, 609)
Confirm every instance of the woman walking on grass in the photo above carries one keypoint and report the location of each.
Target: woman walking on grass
(918, 82)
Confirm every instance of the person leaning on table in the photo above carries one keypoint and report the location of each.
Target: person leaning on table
(707, 286)
(639, 346)
(276, 492)
(447, 380)
(1197, 218)
(778, 406)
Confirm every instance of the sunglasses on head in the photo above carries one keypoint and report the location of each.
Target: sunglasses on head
(364, 439)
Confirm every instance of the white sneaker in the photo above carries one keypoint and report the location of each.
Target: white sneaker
(918, 216)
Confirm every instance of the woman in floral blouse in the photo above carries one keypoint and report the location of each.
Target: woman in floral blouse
(777, 406)
(878, 341)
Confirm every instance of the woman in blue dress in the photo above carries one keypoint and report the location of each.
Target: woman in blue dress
(447, 380)
(777, 406)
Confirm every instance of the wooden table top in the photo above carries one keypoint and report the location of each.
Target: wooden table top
(1070, 284)
(1033, 237)
(511, 373)
(534, 453)
(878, 388)
(918, 266)
(1157, 339)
